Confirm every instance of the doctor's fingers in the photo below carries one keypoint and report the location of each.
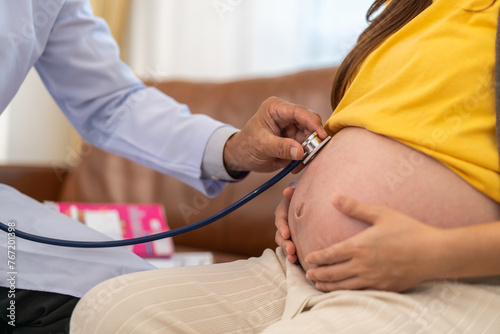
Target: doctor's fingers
(282, 149)
(297, 132)
(285, 114)
(292, 131)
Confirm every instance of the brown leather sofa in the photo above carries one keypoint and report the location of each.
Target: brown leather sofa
(96, 176)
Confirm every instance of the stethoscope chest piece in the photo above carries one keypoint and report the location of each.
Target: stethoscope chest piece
(312, 145)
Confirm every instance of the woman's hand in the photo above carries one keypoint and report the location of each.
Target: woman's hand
(281, 221)
(272, 137)
(395, 253)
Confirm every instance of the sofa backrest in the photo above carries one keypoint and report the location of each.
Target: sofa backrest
(104, 177)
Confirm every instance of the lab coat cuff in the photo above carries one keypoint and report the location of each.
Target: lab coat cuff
(212, 166)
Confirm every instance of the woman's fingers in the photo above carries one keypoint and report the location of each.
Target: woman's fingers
(281, 213)
(281, 220)
(360, 210)
(288, 247)
(351, 283)
(283, 234)
(337, 253)
(288, 193)
(331, 273)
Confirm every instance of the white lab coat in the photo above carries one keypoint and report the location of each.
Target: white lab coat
(79, 63)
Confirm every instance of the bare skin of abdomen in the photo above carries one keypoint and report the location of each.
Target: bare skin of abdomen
(376, 169)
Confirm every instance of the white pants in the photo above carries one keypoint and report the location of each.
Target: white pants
(270, 295)
(70, 271)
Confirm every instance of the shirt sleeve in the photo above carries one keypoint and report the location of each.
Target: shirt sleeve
(213, 158)
(112, 109)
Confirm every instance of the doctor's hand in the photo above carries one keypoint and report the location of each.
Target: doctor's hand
(283, 231)
(272, 137)
(396, 253)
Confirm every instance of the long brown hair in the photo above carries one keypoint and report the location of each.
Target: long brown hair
(393, 17)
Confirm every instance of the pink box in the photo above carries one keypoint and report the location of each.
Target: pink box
(124, 221)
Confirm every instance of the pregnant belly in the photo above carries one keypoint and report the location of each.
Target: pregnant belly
(378, 170)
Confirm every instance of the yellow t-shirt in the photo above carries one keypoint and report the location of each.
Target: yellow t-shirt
(431, 87)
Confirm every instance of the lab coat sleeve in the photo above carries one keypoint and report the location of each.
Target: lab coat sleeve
(112, 109)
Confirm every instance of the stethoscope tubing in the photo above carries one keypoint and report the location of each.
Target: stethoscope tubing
(157, 236)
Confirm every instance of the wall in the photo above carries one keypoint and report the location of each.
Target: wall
(197, 40)
(33, 130)
(226, 39)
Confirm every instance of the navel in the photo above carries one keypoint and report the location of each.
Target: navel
(299, 211)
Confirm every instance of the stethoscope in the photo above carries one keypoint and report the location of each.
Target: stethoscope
(311, 147)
